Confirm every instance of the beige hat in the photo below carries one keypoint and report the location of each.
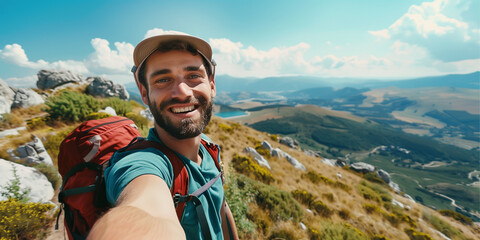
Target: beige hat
(146, 47)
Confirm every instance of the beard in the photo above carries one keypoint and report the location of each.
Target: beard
(188, 127)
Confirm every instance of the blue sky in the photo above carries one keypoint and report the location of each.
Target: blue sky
(381, 39)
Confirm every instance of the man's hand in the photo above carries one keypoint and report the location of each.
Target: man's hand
(144, 211)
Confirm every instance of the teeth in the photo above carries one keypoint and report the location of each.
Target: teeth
(182, 109)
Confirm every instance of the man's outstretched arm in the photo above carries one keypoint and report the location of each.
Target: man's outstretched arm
(144, 211)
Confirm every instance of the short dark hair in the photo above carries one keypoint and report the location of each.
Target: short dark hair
(177, 45)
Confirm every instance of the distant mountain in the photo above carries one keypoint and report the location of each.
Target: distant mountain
(294, 83)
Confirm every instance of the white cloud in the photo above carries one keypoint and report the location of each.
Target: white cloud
(106, 60)
(438, 27)
(22, 82)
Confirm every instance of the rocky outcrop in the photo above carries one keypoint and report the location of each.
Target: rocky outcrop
(255, 155)
(40, 189)
(25, 98)
(384, 175)
(394, 186)
(295, 162)
(266, 145)
(362, 167)
(288, 141)
(34, 152)
(147, 114)
(6, 97)
(53, 79)
(278, 153)
(312, 153)
(100, 87)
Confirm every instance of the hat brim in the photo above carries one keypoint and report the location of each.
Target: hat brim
(146, 47)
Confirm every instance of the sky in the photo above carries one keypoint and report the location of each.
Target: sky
(370, 39)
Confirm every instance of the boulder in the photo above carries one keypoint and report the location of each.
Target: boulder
(108, 110)
(267, 145)
(147, 114)
(295, 162)
(382, 174)
(6, 97)
(255, 155)
(278, 153)
(312, 153)
(25, 98)
(41, 189)
(329, 162)
(362, 167)
(394, 186)
(52, 79)
(339, 175)
(290, 142)
(12, 132)
(100, 87)
(397, 203)
(341, 162)
(34, 152)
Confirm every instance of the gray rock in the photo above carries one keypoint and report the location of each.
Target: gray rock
(394, 186)
(52, 79)
(341, 162)
(397, 203)
(382, 174)
(11, 132)
(257, 157)
(25, 98)
(362, 167)
(34, 152)
(295, 162)
(267, 145)
(303, 226)
(100, 87)
(339, 175)
(329, 162)
(6, 97)
(41, 189)
(278, 153)
(312, 153)
(147, 114)
(290, 142)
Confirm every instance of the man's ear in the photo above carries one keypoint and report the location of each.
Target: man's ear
(212, 86)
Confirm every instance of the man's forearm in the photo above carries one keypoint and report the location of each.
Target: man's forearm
(127, 222)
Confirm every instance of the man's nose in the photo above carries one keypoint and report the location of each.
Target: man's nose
(181, 90)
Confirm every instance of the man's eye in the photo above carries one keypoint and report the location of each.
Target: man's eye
(161, 80)
(193, 76)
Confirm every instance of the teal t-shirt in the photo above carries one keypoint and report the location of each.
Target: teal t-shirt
(152, 161)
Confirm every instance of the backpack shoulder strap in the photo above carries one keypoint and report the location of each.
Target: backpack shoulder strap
(214, 151)
(180, 173)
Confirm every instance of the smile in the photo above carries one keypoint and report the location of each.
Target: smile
(183, 109)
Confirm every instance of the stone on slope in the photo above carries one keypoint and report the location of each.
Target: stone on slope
(51, 79)
(288, 141)
(25, 98)
(278, 153)
(267, 145)
(34, 152)
(362, 167)
(384, 175)
(257, 157)
(41, 189)
(100, 87)
(297, 164)
(6, 97)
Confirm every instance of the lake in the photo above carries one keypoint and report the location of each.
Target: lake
(230, 114)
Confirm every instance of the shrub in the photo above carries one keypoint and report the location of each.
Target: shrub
(368, 193)
(334, 231)
(303, 197)
(329, 196)
(10, 120)
(344, 214)
(321, 208)
(457, 216)
(274, 137)
(121, 107)
(23, 220)
(238, 196)
(262, 151)
(416, 235)
(53, 141)
(372, 208)
(279, 204)
(141, 122)
(314, 233)
(247, 166)
(71, 106)
(97, 115)
(382, 193)
(13, 189)
(282, 234)
(443, 226)
(379, 237)
(36, 123)
(225, 128)
(315, 177)
(372, 177)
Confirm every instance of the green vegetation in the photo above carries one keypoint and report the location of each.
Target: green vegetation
(310, 201)
(14, 190)
(457, 216)
(10, 120)
(121, 107)
(443, 226)
(416, 235)
(335, 231)
(71, 106)
(249, 167)
(315, 177)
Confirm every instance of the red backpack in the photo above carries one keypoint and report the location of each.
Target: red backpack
(84, 155)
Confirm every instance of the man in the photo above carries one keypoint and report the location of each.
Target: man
(175, 76)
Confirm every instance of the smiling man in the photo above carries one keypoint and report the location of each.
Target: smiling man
(175, 76)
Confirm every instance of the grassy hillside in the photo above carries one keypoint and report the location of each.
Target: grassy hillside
(275, 203)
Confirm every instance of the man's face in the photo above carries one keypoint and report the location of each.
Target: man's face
(180, 94)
